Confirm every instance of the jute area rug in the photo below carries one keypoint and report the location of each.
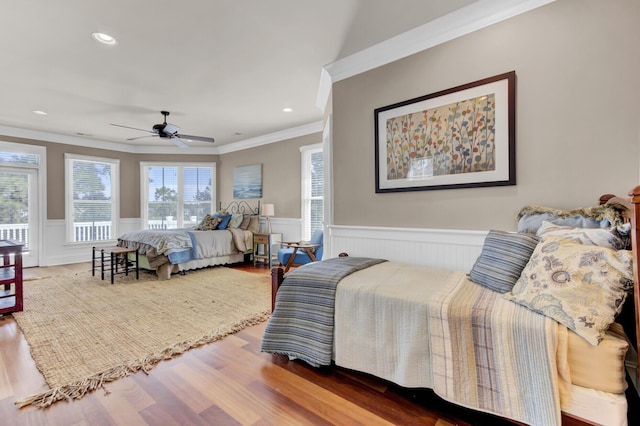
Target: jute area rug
(84, 332)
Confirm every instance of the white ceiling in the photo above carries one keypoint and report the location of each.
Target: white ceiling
(224, 69)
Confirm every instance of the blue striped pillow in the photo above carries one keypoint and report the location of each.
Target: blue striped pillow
(504, 255)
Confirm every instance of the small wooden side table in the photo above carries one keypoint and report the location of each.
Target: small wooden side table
(10, 276)
(267, 241)
(117, 262)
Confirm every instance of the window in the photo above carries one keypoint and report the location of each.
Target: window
(92, 196)
(312, 190)
(176, 195)
(18, 173)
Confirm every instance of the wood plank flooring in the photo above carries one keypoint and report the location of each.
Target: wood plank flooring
(229, 382)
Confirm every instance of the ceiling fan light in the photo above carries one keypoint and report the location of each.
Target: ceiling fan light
(171, 129)
(104, 39)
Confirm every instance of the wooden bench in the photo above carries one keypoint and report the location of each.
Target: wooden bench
(113, 261)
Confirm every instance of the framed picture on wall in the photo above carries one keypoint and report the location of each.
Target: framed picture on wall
(247, 181)
(461, 137)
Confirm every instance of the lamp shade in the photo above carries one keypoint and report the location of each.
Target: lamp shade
(268, 210)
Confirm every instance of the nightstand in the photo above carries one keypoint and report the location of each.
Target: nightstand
(267, 241)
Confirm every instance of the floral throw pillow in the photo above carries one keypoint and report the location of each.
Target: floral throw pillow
(582, 287)
(209, 223)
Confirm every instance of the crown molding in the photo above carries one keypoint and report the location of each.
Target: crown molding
(66, 139)
(468, 19)
(307, 129)
(294, 132)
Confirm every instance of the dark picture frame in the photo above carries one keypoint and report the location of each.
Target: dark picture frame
(462, 137)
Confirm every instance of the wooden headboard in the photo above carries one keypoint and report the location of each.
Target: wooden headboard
(635, 302)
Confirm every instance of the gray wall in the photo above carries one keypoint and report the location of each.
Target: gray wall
(577, 131)
(281, 170)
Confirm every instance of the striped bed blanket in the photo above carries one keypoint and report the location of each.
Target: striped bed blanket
(489, 354)
(301, 326)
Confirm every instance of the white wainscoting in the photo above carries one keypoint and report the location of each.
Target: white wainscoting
(440, 248)
(289, 228)
(56, 251)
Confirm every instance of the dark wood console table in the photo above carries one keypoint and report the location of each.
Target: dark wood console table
(10, 276)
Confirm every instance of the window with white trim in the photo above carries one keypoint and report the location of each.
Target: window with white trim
(92, 196)
(312, 189)
(176, 195)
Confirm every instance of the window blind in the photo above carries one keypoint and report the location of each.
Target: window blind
(177, 196)
(92, 200)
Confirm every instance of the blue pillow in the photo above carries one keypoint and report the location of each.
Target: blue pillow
(504, 255)
(224, 222)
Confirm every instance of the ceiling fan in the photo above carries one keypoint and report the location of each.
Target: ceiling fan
(168, 131)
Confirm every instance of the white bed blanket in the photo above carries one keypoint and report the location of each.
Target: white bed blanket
(222, 242)
(393, 321)
(374, 302)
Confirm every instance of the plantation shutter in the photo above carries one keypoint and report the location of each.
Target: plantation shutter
(312, 190)
(317, 192)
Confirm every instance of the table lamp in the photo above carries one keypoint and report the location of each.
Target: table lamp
(268, 210)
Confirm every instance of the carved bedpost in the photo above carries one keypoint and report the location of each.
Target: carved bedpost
(277, 275)
(635, 245)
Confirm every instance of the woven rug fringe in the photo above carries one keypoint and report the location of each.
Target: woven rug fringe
(97, 381)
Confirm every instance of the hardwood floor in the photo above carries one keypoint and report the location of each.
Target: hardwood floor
(228, 382)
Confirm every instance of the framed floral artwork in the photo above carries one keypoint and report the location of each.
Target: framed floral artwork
(461, 137)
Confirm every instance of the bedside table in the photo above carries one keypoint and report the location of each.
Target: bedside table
(267, 241)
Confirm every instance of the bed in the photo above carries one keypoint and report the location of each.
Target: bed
(494, 339)
(220, 239)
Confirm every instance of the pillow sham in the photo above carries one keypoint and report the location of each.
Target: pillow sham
(224, 220)
(603, 237)
(254, 224)
(531, 217)
(580, 286)
(236, 220)
(504, 255)
(245, 222)
(208, 223)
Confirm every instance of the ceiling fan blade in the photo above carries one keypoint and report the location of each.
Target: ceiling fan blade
(195, 138)
(142, 137)
(177, 142)
(134, 128)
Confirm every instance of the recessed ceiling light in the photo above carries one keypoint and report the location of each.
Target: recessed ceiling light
(104, 38)
(37, 111)
(287, 109)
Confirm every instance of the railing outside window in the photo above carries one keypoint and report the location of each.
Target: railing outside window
(15, 232)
